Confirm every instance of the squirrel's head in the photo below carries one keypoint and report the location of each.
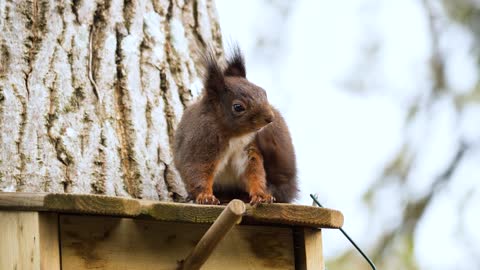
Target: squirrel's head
(241, 105)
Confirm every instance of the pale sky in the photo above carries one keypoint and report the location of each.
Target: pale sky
(346, 109)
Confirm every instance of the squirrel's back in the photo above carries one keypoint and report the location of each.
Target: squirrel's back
(279, 160)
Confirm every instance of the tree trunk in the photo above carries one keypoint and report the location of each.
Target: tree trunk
(91, 92)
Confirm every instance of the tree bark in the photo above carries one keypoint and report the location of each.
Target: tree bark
(91, 93)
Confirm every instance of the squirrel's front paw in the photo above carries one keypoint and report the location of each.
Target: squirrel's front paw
(261, 198)
(206, 198)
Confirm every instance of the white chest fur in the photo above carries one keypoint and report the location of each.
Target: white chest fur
(233, 162)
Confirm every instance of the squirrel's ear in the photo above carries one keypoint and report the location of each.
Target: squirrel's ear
(214, 78)
(236, 64)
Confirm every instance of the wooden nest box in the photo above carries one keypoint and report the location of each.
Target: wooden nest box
(66, 231)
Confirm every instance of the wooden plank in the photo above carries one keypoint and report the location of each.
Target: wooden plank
(277, 213)
(295, 215)
(19, 248)
(313, 249)
(49, 242)
(70, 203)
(308, 249)
(24, 244)
(91, 242)
(181, 212)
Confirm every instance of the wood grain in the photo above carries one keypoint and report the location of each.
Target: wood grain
(313, 249)
(308, 249)
(96, 242)
(297, 215)
(182, 212)
(277, 213)
(49, 241)
(70, 203)
(29, 241)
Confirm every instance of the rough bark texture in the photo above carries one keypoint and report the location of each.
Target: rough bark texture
(91, 92)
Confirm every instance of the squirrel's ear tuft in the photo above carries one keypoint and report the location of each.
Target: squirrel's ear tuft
(214, 78)
(236, 63)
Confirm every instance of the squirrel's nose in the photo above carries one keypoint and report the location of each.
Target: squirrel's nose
(269, 118)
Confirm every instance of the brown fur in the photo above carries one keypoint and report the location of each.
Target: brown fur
(207, 126)
(255, 177)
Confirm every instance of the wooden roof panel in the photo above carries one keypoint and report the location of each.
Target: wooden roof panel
(277, 213)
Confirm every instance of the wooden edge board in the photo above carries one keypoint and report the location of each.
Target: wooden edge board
(308, 248)
(297, 215)
(184, 212)
(277, 213)
(70, 203)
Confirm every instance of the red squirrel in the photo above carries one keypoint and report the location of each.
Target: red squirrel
(231, 143)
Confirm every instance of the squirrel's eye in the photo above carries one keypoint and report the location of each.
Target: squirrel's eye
(238, 107)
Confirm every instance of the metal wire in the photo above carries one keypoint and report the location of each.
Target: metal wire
(348, 237)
